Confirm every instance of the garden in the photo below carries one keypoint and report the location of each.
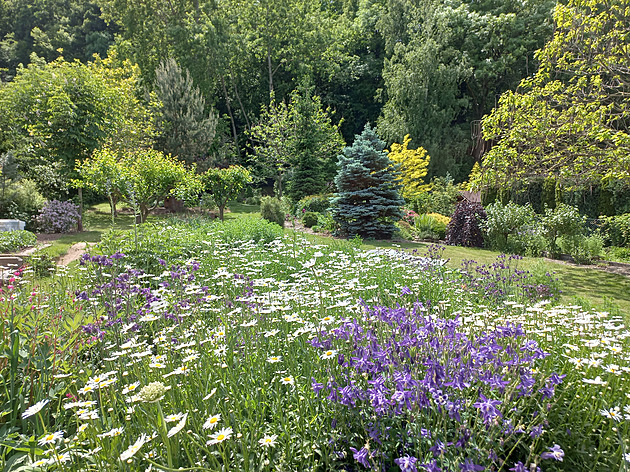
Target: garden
(314, 236)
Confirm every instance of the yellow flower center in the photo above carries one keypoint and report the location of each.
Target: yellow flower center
(220, 437)
(213, 420)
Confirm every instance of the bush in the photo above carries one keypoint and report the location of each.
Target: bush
(617, 254)
(616, 230)
(428, 227)
(583, 249)
(271, 209)
(309, 219)
(11, 241)
(314, 203)
(442, 198)
(22, 200)
(325, 224)
(565, 221)
(57, 217)
(504, 220)
(405, 230)
(464, 229)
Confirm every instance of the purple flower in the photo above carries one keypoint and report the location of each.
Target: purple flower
(555, 452)
(361, 456)
(470, 466)
(488, 408)
(519, 467)
(536, 431)
(431, 466)
(407, 463)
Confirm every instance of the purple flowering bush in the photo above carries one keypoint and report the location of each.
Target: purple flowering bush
(57, 217)
(421, 391)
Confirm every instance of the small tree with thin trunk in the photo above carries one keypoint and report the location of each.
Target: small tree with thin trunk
(225, 184)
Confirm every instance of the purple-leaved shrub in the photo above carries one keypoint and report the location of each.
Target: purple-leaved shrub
(57, 217)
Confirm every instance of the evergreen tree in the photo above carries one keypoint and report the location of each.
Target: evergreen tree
(186, 131)
(368, 202)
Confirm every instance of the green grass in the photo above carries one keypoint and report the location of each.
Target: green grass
(585, 285)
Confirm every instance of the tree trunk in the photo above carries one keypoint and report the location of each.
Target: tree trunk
(229, 109)
(221, 210)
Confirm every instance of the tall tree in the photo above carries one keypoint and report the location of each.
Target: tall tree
(571, 119)
(56, 114)
(186, 130)
(45, 26)
(446, 63)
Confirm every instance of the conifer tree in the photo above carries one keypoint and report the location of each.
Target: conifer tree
(186, 130)
(368, 202)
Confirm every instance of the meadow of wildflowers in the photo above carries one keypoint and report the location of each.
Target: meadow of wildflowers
(205, 346)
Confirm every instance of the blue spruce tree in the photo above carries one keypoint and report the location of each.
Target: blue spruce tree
(368, 202)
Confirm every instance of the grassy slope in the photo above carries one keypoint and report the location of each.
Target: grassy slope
(586, 285)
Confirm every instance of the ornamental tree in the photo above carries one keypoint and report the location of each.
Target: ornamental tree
(153, 176)
(413, 166)
(368, 202)
(105, 174)
(570, 120)
(225, 184)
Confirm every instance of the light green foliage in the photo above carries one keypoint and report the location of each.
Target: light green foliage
(583, 249)
(21, 200)
(185, 129)
(570, 119)
(105, 174)
(430, 226)
(314, 203)
(505, 222)
(225, 184)
(296, 144)
(440, 198)
(565, 221)
(153, 176)
(413, 166)
(616, 229)
(271, 209)
(56, 114)
(11, 241)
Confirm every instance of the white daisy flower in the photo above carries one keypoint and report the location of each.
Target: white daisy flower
(288, 380)
(274, 359)
(268, 441)
(220, 436)
(178, 427)
(36, 408)
(329, 354)
(212, 422)
(50, 438)
(134, 448)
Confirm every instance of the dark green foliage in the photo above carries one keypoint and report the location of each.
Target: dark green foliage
(314, 203)
(185, 129)
(309, 219)
(368, 202)
(271, 210)
(11, 241)
(616, 230)
(464, 229)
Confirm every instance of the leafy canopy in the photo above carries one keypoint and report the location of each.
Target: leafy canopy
(571, 119)
(225, 184)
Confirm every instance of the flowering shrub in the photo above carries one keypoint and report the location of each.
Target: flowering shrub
(57, 217)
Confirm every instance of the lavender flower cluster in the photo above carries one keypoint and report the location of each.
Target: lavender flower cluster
(57, 217)
(430, 394)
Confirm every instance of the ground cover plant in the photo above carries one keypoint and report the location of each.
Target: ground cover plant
(15, 240)
(225, 346)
